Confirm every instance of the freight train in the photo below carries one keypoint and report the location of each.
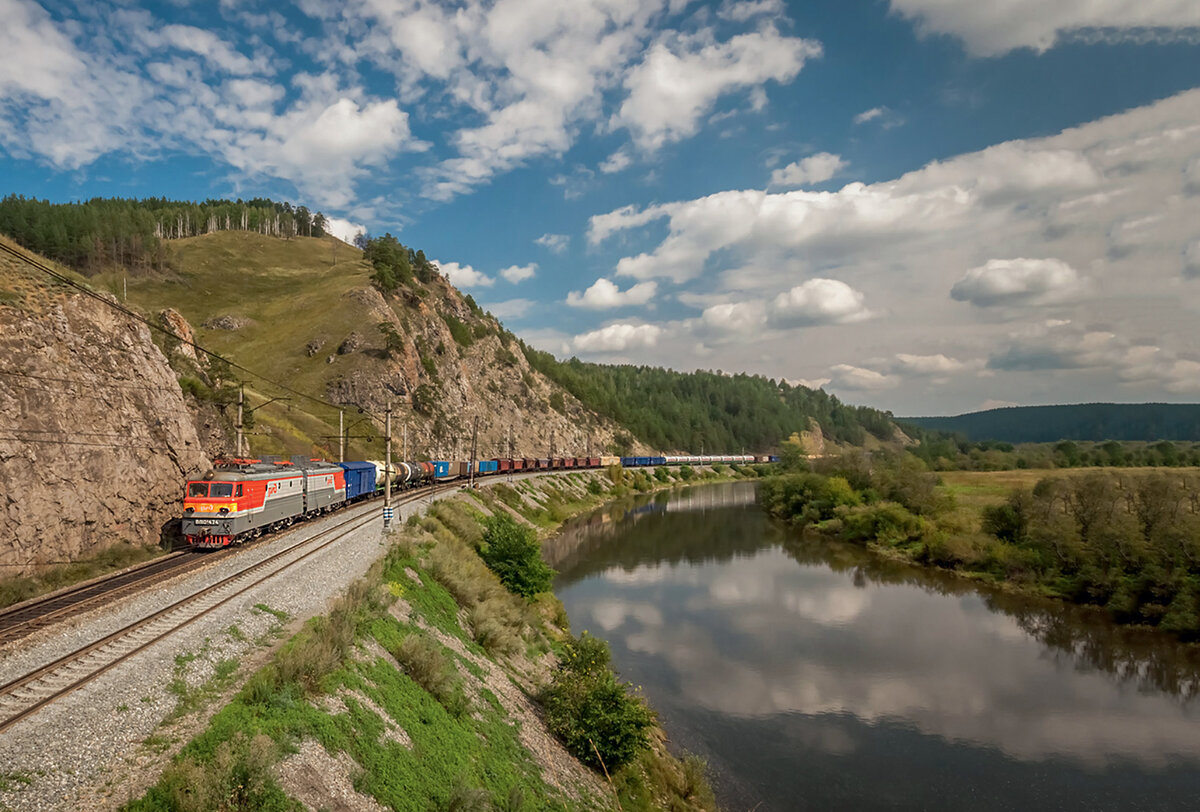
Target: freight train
(242, 499)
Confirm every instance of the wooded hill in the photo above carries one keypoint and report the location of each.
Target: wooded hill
(720, 413)
(1095, 422)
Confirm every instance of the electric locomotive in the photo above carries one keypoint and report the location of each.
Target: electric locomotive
(244, 498)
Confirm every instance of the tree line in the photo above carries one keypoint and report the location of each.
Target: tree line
(719, 413)
(130, 233)
(945, 452)
(1125, 541)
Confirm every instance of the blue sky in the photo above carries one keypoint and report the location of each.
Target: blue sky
(925, 205)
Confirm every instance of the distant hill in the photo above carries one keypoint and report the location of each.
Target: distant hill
(1082, 421)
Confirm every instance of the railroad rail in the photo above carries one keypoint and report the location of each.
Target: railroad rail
(25, 695)
(27, 617)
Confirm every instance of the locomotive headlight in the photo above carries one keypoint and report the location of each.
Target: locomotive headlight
(224, 510)
(188, 509)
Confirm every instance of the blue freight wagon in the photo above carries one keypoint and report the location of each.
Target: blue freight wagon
(657, 461)
(441, 469)
(642, 461)
(628, 462)
(488, 466)
(360, 479)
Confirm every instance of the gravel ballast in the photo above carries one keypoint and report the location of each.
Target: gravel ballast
(104, 744)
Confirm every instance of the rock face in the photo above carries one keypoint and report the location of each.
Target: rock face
(446, 391)
(97, 439)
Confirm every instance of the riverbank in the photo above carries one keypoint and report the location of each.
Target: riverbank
(416, 690)
(1126, 541)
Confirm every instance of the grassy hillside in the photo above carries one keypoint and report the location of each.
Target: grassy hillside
(303, 311)
(1084, 421)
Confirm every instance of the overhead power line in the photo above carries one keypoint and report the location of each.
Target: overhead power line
(66, 280)
(87, 445)
(79, 382)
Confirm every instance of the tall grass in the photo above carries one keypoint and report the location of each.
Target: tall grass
(424, 661)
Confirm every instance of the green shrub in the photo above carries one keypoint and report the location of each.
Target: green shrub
(459, 331)
(512, 552)
(886, 521)
(238, 777)
(423, 660)
(505, 357)
(594, 714)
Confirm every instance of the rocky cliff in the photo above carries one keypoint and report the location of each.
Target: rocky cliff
(95, 437)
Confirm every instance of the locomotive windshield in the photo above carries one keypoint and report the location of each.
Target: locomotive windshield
(221, 489)
(197, 489)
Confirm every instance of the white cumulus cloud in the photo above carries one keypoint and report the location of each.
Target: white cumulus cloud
(934, 365)
(994, 27)
(742, 10)
(1018, 282)
(733, 318)
(603, 295)
(516, 274)
(554, 243)
(884, 117)
(682, 76)
(621, 159)
(344, 230)
(618, 338)
(807, 171)
(819, 301)
(860, 379)
(509, 308)
(464, 276)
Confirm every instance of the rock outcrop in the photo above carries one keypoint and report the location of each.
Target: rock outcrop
(97, 439)
(446, 390)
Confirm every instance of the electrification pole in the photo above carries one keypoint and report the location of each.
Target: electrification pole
(241, 402)
(387, 467)
(474, 440)
(341, 435)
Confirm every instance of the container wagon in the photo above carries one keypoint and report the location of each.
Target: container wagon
(360, 479)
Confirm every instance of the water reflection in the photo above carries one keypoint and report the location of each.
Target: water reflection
(808, 670)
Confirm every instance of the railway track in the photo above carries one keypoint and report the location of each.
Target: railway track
(25, 618)
(24, 696)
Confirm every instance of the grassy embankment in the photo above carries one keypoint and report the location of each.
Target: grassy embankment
(1126, 540)
(411, 676)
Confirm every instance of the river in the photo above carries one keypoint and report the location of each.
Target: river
(812, 675)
